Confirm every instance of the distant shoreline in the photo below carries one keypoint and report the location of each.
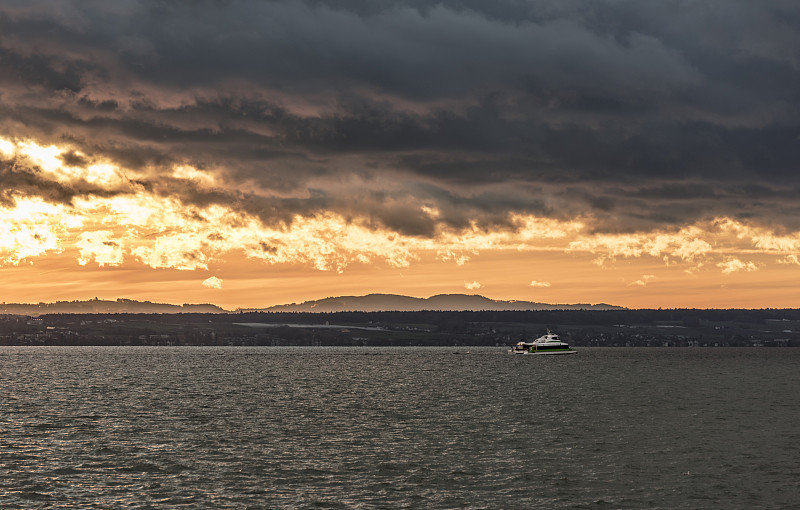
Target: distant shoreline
(306, 326)
(611, 328)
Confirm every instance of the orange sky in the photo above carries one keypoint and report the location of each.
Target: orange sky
(138, 245)
(571, 278)
(249, 154)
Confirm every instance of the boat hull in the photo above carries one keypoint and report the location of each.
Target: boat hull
(547, 344)
(549, 353)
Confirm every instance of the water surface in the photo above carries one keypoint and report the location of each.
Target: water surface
(328, 427)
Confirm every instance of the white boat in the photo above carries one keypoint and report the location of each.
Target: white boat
(549, 343)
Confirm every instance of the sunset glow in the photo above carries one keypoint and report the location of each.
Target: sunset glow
(147, 232)
(129, 172)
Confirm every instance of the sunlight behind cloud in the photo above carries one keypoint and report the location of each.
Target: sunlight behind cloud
(163, 232)
(190, 173)
(100, 247)
(32, 228)
(44, 157)
(50, 162)
(7, 148)
(134, 223)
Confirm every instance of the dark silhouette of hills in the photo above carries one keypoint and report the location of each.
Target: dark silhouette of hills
(440, 302)
(368, 303)
(104, 306)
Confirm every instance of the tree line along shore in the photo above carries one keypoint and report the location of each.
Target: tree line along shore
(610, 328)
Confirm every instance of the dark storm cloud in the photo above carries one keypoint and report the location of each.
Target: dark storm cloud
(641, 113)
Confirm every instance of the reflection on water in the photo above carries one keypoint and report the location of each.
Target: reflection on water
(100, 427)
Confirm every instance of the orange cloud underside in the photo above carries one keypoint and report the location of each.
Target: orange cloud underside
(131, 242)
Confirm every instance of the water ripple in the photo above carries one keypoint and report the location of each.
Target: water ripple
(365, 428)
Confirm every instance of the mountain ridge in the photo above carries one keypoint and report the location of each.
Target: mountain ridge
(120, 305)
(438, 302)
(375, 302)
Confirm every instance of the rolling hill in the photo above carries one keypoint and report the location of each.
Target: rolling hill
(440, 302)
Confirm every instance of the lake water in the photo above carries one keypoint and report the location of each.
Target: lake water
(155, 427)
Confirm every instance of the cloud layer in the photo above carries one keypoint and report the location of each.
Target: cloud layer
(62, 201)
(642, 115)
(541, 148)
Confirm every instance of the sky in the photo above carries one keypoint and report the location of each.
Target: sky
(251, 153)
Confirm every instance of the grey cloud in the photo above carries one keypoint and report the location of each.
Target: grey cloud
(693, 105)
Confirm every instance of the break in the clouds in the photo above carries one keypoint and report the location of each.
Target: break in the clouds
(337, 132)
